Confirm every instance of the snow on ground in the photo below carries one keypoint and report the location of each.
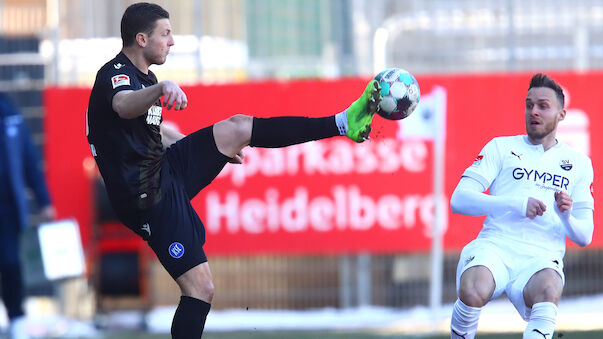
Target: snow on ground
(583, 313)
(498, 316)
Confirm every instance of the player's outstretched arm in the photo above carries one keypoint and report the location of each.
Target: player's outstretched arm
(579, 224)
(132, 104)
(469, 199)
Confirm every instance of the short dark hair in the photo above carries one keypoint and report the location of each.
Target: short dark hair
(140, 18)
(543, 80)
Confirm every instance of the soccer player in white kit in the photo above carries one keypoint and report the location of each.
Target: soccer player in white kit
(540, 192)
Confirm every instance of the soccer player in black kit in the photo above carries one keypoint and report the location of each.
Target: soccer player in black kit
(151, 172)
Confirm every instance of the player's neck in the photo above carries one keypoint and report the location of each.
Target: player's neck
(547, 141)
(137, 58)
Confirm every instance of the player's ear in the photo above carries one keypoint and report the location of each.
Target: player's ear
(141, 39)
(562, 114)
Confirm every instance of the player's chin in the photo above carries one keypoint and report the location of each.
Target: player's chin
(160, 60)
(535, 133)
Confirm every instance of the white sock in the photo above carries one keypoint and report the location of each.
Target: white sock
(542, 321)
(463, 324)
(341, 119)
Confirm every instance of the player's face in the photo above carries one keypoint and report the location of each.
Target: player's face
(159, 42)
(543, 113)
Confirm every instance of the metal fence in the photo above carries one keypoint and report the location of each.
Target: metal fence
(305, 282)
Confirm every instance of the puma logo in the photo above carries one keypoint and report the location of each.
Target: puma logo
(517, 155)
(544, 335)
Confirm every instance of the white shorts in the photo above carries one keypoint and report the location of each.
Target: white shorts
(511, 266)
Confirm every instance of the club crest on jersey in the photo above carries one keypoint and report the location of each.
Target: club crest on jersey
(566, 165)
(478, 160)
(176, 250)
(120, 80)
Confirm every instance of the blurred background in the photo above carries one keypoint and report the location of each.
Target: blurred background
(473, 60)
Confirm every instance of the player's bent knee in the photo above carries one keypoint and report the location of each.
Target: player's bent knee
(203, 290)
(552, 294)
(206, 292)
(544, 286)
(473, 298)
(477, 286)
(197, 283)
(232, 134)
(546, 293)
(241, 127)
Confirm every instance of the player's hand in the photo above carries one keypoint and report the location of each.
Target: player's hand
(535, 208)
(563, 201)
(238, 158)
(173, 95)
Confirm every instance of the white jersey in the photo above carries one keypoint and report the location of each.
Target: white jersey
(513, 167)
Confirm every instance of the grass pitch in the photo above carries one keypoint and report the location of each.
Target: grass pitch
(342, 335)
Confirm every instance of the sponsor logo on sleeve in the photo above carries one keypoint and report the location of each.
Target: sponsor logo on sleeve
(120, 80)
(478, 160)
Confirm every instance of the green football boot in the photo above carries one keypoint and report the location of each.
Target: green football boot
(360, 113)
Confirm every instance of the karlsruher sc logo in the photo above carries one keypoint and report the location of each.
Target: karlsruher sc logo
(176, 250)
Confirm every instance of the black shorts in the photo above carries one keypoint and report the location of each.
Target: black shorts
(176, 232)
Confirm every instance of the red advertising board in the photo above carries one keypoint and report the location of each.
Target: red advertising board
(333, 195)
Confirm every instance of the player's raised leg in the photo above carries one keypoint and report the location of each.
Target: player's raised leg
(232, 134)
(475, 290)
(542, 294)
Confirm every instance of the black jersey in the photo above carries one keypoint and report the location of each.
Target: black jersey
(128, 152)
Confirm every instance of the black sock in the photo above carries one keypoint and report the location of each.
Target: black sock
(286, 131)
(189, 319)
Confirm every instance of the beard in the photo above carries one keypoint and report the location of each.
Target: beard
(540, 131)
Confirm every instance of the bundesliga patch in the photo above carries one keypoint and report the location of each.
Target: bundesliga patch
(478, 160)
(176, 250)
(566, 165)
(120, 80)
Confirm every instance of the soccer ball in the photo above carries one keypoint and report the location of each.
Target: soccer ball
(400, 93)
